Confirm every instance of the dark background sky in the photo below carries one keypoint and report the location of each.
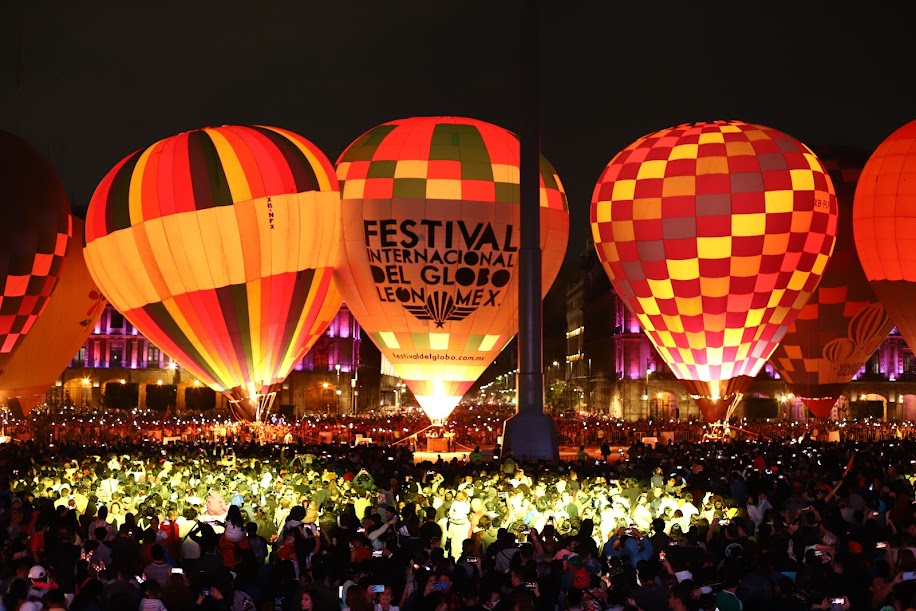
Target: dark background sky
(89, 82)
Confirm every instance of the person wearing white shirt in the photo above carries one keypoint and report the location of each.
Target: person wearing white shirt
(458, 523)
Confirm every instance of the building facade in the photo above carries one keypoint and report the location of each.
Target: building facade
(616, 369)
(118, 367)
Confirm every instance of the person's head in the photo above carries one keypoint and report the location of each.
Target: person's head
(55, 599)
(679, 600)
(305, 603)
(100, 533)
(358, 598)
(157, 553)
(152, 589)
(103, 512)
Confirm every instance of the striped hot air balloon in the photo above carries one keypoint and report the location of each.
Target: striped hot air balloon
(715, 235)
(218, 245)
(430, 210)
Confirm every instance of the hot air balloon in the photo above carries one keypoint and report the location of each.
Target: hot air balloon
(219, 246)
(430, 211)
(884, 220)
(63, 326)
(715, 235)
(843, 323)
(33, 239)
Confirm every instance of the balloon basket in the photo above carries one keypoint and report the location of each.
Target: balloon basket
(437, 444)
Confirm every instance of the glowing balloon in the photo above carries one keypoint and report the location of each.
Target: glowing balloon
(218, 245)
(430, 210)
(884, 221)
(34, 233)
(63, 326)
(842, 324)
(715, 235)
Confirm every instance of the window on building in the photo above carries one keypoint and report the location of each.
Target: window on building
(116, 354)
(152, 357)
(116, 322)
(80, 359)
(321, 359)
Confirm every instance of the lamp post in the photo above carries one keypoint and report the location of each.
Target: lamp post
(337, 387)
(645, 394)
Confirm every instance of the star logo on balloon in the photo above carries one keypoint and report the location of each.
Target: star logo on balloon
(440, 308)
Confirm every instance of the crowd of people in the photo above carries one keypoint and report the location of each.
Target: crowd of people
(471, 424)
(741, 525)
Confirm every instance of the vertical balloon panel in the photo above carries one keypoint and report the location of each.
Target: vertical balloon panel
(219, 245)
(430, 210)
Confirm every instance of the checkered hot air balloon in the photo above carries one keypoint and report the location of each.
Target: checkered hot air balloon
(843, 323)
(219, 245)
(884, 226)
(34, 234)
(715, 235)
(64, 325)
(430, 210)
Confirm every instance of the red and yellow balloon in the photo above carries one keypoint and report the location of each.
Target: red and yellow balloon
(884, 221)
(63, 326)
(34, 235)
(715, 235)
(843, 323)
(430, 210)
(219, 245)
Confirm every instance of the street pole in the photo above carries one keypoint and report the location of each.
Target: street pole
(530, 433)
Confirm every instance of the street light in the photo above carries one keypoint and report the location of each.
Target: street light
(337, 367)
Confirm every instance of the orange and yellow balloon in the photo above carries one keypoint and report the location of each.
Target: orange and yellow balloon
(218, 245)
(884, 226)
(715, 235)
(430, 211)
(63, 326)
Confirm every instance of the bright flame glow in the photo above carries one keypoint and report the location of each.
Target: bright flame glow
(440, 404)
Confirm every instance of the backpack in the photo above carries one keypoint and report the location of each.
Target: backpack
(258, 548)
(231, 551)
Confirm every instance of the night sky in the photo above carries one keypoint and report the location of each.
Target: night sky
(89, 82)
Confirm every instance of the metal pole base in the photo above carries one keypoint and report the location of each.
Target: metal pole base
(531, 436)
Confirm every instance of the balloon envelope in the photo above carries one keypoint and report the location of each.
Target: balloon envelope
(430, 210)
(33, 238)
(884, 222)
(63, 326)
(219, 245)
(843, 323)
(714, 235)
